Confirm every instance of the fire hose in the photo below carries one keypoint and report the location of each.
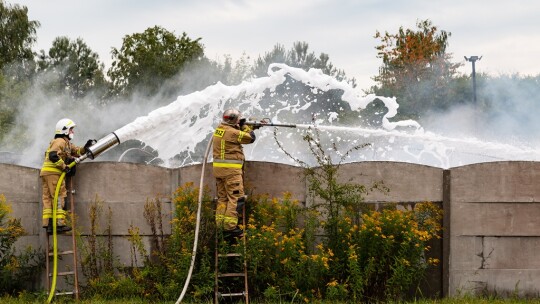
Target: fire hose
(99, 147)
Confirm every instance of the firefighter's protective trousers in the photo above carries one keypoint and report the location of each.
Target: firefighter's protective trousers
(49, 183)
(229, 190)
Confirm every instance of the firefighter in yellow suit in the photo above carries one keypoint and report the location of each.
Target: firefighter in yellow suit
(228, 162)
(59, 155)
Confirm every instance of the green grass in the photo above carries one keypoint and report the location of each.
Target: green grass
(28, 298)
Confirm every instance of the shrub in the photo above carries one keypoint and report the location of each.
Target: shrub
(386, 252)
(166, 267)
(98, 264)
(281, 261)
(376, 256)
(17, 270)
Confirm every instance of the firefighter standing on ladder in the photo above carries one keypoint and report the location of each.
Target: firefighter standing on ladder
(59, 155)
(228, 162)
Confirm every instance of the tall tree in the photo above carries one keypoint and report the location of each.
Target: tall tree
(147, 59)
(77, 68)
(298, 56)
(17, 34)
(415, 68)
(317, 102)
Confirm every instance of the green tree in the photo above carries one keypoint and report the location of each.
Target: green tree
(147, 59)
(416, 68)
(11, 92)
(298, 56)
(232, 74)
(17, 34)
(76, 67)
(295, 91)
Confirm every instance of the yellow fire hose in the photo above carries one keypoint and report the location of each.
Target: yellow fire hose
(55, 241)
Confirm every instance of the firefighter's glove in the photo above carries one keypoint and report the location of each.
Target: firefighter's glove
(241, 123)
(67, 169)
(256, 127)
(70, 171)
(89, 143)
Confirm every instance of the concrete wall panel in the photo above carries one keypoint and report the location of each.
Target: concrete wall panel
(260, 178)
(29, 214)
(21, 187)
(20, 184)
(466, 253)
(511, 252)
(496, 182)
(192, 174)
(275, 179)
(496, 219)
(496, 204)
(123, 215)
(502, 282)
(121, 182)
(406, 182)
(122, 249)
(33, 241)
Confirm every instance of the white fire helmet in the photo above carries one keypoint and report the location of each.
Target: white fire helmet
(231, 116)
(63, 126)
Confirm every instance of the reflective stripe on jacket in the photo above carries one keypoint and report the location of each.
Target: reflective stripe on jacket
(226, 163)
(63, 149)
(227, 149)
(49, 166)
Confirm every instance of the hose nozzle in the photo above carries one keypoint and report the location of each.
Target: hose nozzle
(101, 146)
(266, 122)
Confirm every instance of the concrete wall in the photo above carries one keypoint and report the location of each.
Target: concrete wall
(494, 231)
(491, 214)
(21, 186)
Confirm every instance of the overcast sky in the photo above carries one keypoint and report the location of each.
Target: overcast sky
(505, 33)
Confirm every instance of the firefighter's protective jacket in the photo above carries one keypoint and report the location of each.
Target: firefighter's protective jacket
(227, 149)
(60, 149)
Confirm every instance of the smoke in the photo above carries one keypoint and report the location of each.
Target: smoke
(39, 110)
(506, 112)
(175, 124)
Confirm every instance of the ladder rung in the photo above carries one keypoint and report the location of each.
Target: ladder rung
(64, 293)
(236, 294)
(232, 274)
(229, 255)
(64, 273)
(61, 252)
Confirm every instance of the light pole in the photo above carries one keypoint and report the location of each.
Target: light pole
(473, 59)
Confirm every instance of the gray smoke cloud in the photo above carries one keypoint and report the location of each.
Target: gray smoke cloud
(506, 111)
(458, 136)
(39, 111)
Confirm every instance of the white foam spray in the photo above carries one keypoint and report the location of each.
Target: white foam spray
(188, 121)
(180, 131)
(182, 126)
